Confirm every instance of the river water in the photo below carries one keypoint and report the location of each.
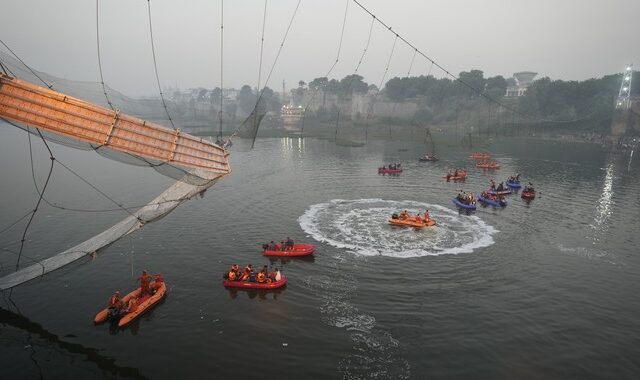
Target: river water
(540, 290)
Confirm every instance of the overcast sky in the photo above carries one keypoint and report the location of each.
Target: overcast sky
(562, 39)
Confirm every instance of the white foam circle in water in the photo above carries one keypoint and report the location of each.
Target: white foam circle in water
(361, 226)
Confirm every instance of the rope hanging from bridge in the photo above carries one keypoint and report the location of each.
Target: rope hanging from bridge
(264, 23)
(313, 95)
(104, 89)
(155, 65)
(395, 104)
(221, 67)
(434, 63)
(355, 71)
(259, 109)
(375, 97)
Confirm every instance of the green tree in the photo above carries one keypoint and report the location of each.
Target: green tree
(318, 83)
(214, 96)
(246, 99)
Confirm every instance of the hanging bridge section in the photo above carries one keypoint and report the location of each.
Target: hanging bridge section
(197, 163)
(75, 120)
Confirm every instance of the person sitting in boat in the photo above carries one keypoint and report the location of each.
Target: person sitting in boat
(261, 277)
(455, 173)
(114, 301)
(461, 196)
(471, 199)
(131, 306)
(278, 275)
(282, 246)
(271, 246)
(234, 273)
(277, 247)
(145, 281)
(448, 176)
(289, 244)
(157, 281)
(404, 214)
(500, 187)
(247, 273)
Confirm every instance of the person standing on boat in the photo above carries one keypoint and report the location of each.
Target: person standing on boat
(427, 217)
(289, 243)
(145, 281)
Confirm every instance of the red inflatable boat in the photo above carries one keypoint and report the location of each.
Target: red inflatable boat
(256, 285)
(298, 250)
(389, 171)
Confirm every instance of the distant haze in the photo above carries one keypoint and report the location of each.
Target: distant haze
(566, 39)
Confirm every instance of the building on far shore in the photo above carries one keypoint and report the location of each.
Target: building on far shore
(523, 81)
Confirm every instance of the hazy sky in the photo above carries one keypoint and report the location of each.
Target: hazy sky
(565, 39)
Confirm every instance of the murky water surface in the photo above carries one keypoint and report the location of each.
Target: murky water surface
(547, 289)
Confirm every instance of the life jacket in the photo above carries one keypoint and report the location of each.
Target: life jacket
(232, 276)
(262, 277)
(114, 300)
(144, 281)
(277, 247)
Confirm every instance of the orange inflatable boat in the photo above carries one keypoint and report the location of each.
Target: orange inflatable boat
(412, 222)
(141, 305)
(298, 250)
(462, 175)
(480, 156)
(488, 165)
(256, 285)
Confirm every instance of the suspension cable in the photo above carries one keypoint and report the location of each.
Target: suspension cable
(221, 66)
(395, 104)
(35, 209)
(98, 190)
(50, 86)
(411, 64)
(275, 61)
(6, 69)
(155, 66)
(313, 95)
(433, 62)
(264, 22)
(104, 89)
(384, 74)
(15, 222)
